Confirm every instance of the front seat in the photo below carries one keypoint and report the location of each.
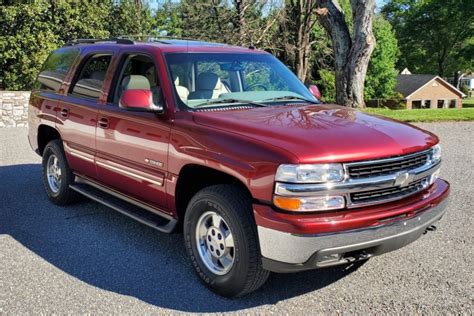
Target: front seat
(134, 82)
(208, 86)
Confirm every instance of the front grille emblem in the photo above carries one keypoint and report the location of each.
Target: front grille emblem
(403, 179)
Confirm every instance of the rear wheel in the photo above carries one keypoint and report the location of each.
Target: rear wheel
(221, 240)
(57, 176)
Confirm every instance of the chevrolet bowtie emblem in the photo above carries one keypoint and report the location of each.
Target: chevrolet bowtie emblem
(403, 179)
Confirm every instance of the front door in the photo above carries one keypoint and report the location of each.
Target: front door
(132, 147)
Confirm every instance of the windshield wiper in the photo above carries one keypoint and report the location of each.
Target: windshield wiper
(290, 97)
(232, 101)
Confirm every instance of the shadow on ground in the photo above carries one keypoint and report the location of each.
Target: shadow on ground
(110, 251)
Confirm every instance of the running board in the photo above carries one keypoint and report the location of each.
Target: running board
(134, 209)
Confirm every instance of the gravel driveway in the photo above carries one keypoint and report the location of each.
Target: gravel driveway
(87, 258)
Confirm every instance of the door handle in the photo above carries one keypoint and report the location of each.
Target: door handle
(103, 123)
(64, 113)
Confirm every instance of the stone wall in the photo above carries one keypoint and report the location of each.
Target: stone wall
(14, 108)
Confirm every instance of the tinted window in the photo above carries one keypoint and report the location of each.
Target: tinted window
(200, 78)
(55, 69)
(137, 72)
(91, 76)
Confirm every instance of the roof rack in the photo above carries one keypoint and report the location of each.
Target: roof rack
(154, 38)
(93, 41)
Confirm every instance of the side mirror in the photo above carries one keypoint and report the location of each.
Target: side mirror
(139, 100)
(315, 91)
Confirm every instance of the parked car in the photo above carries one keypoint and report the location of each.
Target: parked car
(227, 145)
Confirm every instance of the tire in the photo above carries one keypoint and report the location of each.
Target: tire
(58, 191)
(234, 207)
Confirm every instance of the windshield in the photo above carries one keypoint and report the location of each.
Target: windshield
(206, 79)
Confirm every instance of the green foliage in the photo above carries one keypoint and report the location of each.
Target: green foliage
(435, 36)
(381, 74)
(465, 89)
(128, 18)
(169, 20)
(29, 32)
(327, 84)
(27, 38)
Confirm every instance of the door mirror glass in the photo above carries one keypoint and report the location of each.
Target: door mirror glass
(140, 100)
(315, 91)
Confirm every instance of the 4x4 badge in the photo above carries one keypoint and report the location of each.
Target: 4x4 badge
(404, 179)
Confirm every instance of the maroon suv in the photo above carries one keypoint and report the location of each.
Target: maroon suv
(227, 144)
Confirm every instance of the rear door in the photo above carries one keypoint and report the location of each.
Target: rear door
(78, 112)
(132, 147)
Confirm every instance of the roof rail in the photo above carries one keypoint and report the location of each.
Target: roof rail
(153, 38)
(93, 41)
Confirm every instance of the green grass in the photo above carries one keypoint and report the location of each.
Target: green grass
(468, 103)
(428, 115)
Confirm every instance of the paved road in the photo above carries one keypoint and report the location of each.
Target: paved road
(87, 258)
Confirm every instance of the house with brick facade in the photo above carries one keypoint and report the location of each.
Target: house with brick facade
(428, 92)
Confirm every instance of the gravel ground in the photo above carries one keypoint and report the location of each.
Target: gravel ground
(87, 258)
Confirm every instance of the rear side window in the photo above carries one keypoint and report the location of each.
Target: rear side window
(91, 76)
(55, 69)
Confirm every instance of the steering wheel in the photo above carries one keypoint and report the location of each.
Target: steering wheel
(249, 88)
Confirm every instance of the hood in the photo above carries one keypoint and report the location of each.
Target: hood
(322, 133)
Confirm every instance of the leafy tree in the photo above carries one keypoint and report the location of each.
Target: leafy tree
(169, 19)
(381, 74)
(27, 38)
(435, 36)
(129, 18)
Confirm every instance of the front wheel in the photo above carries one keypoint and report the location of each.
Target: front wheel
(221, 240)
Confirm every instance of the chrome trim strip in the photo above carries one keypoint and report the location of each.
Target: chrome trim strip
(350, 185)
(120, 169)
(386, 160)
(78, 153)
(81, 155)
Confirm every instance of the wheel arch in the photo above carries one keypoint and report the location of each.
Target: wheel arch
(46, 134)
(194, 177)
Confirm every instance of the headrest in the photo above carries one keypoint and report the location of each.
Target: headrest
(150, 74)
(98, 75)
(176, 80)
(135, 82)
(208, 81)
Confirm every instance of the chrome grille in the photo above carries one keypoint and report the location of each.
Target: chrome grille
(387, 166)
(387, 194)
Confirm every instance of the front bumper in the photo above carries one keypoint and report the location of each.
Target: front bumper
(284, 251)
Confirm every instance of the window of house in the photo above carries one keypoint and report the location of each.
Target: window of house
(416, 104)
(426, 104)
(91, 76)
(452, 103)
(441, 104)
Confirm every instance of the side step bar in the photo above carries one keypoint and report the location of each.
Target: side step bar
(129, 207)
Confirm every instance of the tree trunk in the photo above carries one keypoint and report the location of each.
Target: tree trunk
(305, 23)
(351, 55)
(241, 6)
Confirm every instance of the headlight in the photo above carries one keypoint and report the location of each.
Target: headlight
(315, 173)
(436, 153)
(309, 204)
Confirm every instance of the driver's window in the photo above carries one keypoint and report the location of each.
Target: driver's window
(137, 72)
(259, 77)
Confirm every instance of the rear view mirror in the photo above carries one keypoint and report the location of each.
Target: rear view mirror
(139, 100)
(315, 91)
